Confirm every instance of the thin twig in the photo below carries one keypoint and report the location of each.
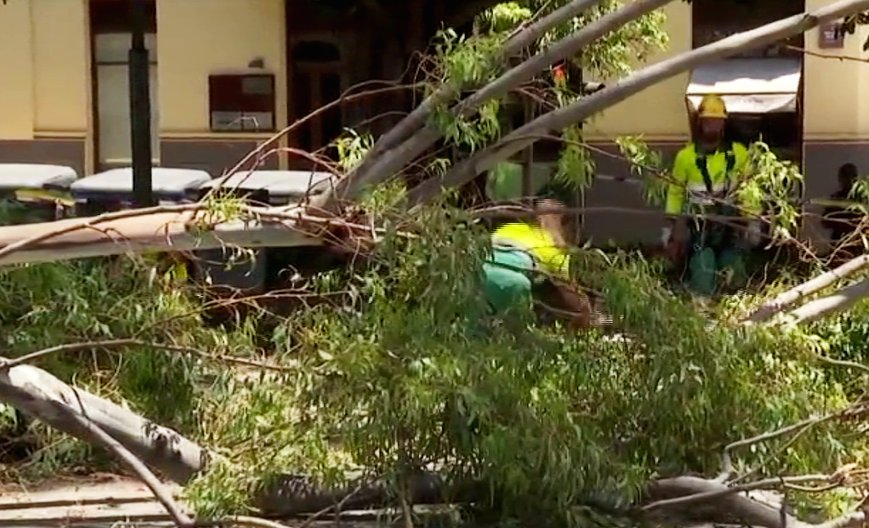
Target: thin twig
(336, 507)
(240, 520)
(826, 55)
(727, 464)
(120, 343)
(843, 363)
(344, 98)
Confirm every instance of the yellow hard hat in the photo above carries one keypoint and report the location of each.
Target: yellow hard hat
(712, 106)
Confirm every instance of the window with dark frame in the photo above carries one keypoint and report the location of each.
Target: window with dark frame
(242, 102)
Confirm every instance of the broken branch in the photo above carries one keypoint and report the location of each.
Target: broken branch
(368, 172)
(121, 343)
(839, 301)
(734, 508)
(38, 394)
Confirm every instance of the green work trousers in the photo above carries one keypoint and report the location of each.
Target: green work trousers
(505, 283)
(715, 255)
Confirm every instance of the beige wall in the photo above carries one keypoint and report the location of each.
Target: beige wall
(16, 72)
(658, 112)
(836, 105)
(61, 65)
(191, 45)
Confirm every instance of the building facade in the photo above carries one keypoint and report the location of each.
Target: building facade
(225, 74)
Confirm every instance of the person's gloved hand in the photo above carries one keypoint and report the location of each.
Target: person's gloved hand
(753, 233)
(672, 244)
(666, 236)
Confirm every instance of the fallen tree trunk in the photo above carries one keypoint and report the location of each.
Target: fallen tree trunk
(577, 112)
(46, 398)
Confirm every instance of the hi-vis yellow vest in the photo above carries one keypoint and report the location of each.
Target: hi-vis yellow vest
(723, 168)
(536, 242)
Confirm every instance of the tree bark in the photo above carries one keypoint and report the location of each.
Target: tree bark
(133, 231)
(46, 398)
(732, 507)
(559, 119)
(838, 302)
(524, 38)
(40, 395)
(101, 438)
(407, 152)
(770, 308)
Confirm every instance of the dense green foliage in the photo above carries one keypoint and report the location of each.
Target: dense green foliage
(47, 305)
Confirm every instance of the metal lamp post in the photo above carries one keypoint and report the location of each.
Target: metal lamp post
(140, 108)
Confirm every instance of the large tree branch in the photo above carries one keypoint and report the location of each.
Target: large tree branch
(100, 437)
(369, 171)
(408, 151)
(156, 229)
(559, 119)
(38, 393)
(835, 303)
(74, 411)
(770, 308)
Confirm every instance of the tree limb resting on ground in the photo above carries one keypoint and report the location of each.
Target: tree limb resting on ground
(48, 399)
(725, 506)
(101, 438)
(38, 394)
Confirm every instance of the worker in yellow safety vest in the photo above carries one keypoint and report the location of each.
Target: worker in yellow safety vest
(519, 251)
(706, 176)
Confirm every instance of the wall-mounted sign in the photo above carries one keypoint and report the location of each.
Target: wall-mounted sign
(830, 36)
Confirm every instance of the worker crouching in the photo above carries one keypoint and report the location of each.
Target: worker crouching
(530, 257)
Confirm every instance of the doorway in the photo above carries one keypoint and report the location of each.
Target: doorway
(317, 68)
(110, 44)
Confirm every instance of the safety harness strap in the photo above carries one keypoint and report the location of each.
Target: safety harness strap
(730, 159)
